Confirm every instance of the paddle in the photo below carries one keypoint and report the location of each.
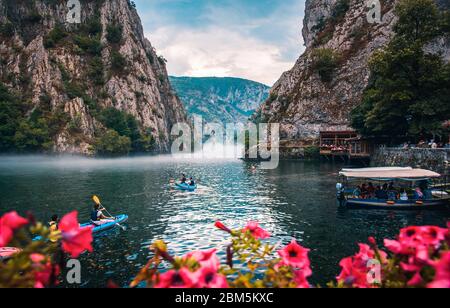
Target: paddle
(97, 201)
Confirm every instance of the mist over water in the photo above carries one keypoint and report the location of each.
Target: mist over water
(295, 200)
(211, 153)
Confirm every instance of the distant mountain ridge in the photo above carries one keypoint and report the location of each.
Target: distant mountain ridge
(219, 99)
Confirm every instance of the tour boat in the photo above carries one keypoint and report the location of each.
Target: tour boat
(404, 178)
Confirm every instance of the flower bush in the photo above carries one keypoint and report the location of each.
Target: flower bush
(40, 252)
(202, 269)
(418, 258)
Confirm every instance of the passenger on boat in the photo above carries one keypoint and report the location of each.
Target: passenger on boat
(418, 194)
(357, 192)
(191, 182)
(404, 195)
(364, 191)
(392, 192)
(371, 191)
(380, 193)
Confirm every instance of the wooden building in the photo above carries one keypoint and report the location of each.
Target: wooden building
(360, 148)
(345, 145)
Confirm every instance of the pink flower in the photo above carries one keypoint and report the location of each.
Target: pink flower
(300, 279)
(417, 242)
(355, 269)
(9, 223)
(256, 231)
(206, 258)
(222, 227)
(416, 280)
(13, 220)
(430, 236)
(182, 278)
(442, 268)
(37, 258)
(352, 274)
(417, 245)
(366, 254)
(44, 271)
(75, 240)
(295, 255)
(394, 246)
(207, 277)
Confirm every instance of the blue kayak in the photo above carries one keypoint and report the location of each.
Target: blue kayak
(119, 219)
(97, 229)
(186, 187)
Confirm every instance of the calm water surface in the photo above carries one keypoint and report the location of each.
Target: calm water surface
(295, 200)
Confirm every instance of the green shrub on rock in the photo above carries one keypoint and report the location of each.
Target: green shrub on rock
(55, 36)
(118, 62)
(325, 61)
(114, 34)
(7, 30)
(112, 144)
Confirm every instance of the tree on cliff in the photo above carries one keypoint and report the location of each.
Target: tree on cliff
(409, 95)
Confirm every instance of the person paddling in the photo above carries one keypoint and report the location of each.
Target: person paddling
(183, 179)
(97, 216)
(53, 224)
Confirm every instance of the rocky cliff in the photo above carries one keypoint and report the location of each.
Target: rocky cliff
(305, 102)
(226, 100)
(80, 69)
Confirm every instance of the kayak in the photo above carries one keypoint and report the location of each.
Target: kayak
(97, 229)
(110, 225)
(8, 252)
(186, 187)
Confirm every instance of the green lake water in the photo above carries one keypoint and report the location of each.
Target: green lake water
(295, 200)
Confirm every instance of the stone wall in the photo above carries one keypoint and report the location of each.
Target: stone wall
(432, 159)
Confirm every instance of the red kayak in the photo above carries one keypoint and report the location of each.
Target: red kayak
(8, 252)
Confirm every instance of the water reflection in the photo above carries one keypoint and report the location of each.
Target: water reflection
(295, 200)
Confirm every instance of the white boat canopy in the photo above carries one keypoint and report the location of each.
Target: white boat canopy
(389, 173)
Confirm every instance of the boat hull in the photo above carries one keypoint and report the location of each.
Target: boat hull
(398, 205)
(97, 229)
(185, 187)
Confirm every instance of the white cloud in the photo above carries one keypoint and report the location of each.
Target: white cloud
(215, 51)
(257, 39)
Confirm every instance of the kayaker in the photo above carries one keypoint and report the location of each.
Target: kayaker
(53, 224)
(183, 179)
(97, 216)
(192, 182)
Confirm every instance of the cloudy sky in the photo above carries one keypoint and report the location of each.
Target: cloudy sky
(253, 39)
